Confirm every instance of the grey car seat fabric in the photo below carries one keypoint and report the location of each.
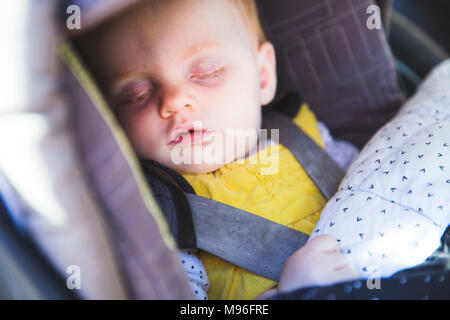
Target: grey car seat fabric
(25, 273)
(344, 70)
(41, 178)
(146, 249)
(50, 138)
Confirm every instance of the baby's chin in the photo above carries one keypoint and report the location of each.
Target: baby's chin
(200, 159)
(207, 164)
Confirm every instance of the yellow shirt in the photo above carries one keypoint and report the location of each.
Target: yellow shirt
(288, 197)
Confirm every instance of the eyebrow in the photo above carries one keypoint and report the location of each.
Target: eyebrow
(199, 47)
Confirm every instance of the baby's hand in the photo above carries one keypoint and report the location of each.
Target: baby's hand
(319, 262)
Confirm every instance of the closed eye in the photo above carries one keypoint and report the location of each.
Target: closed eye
(209, 75)
(135, 96)
(141, 96)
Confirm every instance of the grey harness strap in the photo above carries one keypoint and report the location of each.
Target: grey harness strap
(326, 174)
(242, 238)
(251, 242)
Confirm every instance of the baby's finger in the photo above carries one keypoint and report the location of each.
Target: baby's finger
(337, 276)
(346, 273)
(337, 259)
(324, 243)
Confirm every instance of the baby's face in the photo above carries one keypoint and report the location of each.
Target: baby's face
(165, 67)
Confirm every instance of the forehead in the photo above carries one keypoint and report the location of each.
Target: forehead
(168, 30)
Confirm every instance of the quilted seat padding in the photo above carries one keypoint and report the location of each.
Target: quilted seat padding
(343, 70)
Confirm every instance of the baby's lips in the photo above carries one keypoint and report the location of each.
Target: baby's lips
(185, 128)
(175, 133)
(180, 129)
(193, 137)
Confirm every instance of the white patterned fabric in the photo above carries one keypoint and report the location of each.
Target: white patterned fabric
(196, 273)
(393, 206)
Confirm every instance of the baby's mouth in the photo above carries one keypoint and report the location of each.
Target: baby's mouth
(191, 137)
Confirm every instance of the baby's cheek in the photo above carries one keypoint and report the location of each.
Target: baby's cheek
(142, 135)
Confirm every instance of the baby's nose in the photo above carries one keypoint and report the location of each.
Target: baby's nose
(175, 102)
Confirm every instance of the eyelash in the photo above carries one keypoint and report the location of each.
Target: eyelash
(209, 75)
(137, 98)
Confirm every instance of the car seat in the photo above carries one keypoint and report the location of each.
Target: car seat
(360, 78)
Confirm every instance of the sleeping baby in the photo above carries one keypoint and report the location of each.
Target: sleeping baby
(164, 65)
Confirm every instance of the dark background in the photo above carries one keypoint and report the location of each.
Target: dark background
(431, 16)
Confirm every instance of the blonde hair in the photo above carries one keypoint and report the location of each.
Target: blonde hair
(249, 12)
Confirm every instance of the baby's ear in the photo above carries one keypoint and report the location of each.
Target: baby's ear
(267, 72)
